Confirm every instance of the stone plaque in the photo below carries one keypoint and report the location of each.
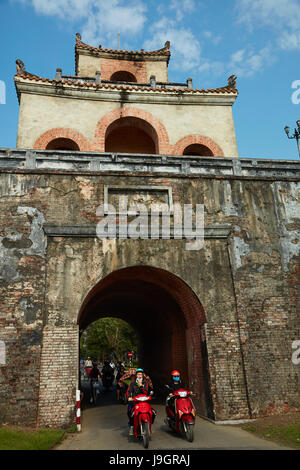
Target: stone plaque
(127, 199)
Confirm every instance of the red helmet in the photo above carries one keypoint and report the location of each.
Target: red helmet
(175, 373)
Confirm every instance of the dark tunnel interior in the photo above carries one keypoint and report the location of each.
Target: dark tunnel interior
(161, 308)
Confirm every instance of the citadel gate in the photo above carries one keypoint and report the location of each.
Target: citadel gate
(226, 315)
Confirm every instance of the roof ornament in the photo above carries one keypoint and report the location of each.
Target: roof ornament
(78, 37)
(20, 66)
(167, 45)
(232, 81)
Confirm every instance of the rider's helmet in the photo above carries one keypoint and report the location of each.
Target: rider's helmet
(139, 371)
(175, 375)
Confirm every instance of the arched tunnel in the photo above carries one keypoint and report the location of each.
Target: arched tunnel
(167, 317)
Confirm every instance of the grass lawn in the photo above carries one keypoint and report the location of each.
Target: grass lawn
(282, 430)
(13, 438)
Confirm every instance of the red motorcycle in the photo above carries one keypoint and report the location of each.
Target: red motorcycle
(143, 417)
(183, 420)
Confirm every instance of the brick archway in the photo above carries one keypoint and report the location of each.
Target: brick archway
(62, 132)
(191, 139)
(109, 118)
(123, 75)
(168, 318)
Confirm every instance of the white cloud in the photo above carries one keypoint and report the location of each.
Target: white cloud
(281, 15)
(100, 20)
(290, 41)
(177, 9)
(182, 7)
(186, 49)
(214, 38)
(212, 68)
(112, 18)
(65, 9)
(245, 63)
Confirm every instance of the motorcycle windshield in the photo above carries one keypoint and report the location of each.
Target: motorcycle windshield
(181, 392)
(142, 398)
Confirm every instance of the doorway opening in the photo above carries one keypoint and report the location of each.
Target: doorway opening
(131, 135)
(198, 149)
(166, 315)
(62, 143)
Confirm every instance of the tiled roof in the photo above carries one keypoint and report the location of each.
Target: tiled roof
(81, 45)
(129, 87)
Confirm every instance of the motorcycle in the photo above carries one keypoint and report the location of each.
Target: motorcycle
(143, 416)
(96, 390)
(123, 395)
(183, 420)
(107, 380)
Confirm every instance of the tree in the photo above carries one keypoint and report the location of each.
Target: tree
(108, 336)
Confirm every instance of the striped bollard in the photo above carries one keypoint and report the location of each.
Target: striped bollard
(78, 414)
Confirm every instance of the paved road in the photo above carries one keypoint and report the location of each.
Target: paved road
(105, 427)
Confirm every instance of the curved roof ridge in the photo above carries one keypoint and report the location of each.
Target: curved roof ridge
(81, 45)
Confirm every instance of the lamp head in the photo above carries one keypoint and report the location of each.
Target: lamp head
(287, 130)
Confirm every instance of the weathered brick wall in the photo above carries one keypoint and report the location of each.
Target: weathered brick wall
(248, 286)
(22, 292)
(109, 66)
(59, 376)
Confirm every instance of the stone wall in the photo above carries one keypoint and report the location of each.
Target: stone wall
(246, 281)
(75, 115)
(22, 292)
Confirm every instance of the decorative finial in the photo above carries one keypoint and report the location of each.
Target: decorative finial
(20, 66)
(232, 81)
(167, 45)
(78, 37)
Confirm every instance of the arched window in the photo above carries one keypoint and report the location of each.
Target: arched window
(198, 149)
(62, 143)
(131, 135)
(123, 76)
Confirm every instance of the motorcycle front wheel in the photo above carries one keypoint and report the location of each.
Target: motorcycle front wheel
(189, 432)
(145, 433)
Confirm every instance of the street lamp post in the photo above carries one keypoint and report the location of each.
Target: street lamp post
(295, 136)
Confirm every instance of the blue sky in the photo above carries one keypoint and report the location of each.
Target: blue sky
(257, 40)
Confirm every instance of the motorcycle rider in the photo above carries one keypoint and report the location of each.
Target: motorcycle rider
(107, 371)
(120, 373)
(175, 384)
(87, 366)
(139, 386)
(93, 375)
